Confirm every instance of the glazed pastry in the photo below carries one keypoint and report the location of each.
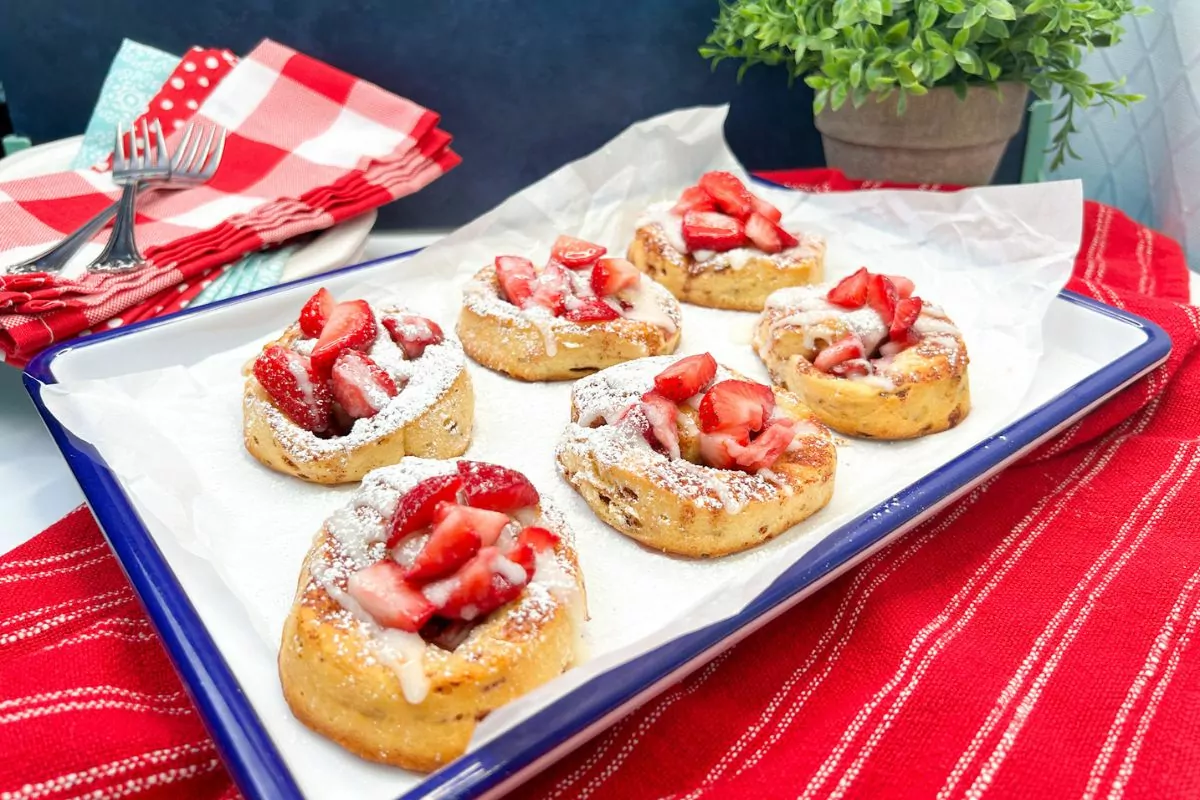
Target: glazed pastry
(689, 457)
(722, 247)
(439, 593)
(349, 388)
(580, 313)
(869, 357)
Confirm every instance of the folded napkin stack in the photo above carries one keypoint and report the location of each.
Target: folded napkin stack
(308, 146)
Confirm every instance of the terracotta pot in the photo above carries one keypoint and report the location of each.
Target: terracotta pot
(938, 139)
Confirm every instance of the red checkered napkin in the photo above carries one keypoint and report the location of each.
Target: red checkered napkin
(308, 146)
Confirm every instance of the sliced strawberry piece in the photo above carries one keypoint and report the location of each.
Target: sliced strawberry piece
(892, 348)
(694, 198)
(663, 415)
(904, 287)
(686, 377)
(293, 383)
(855, 366)
(590, 309)
(768, 446)
(351, 326)
(881, 296)
(539, 538)
(611, 275)
(381, 591)
(516, 277)
(452, 543)
(767, 235)
(907, 311)
(732, 405)
(718, 449)
(769, 211)
(488, 524)
(495, 487)
(851, 291)
(483, 584)
(361, 387)
(413, 333)
(708, 230)
(729, 193)
(316, 313)
(415, 509)
(575, 253)
(551, 288)
(844, 349)
(447, 634)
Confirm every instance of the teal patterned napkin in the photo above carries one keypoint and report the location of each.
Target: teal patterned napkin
(137, 73)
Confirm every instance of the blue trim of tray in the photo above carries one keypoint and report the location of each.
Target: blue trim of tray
(250, 754)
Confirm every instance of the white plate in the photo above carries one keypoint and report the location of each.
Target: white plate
(332, 248)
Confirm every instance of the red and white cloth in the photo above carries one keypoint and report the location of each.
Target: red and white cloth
(308, 146)
(1039, 638)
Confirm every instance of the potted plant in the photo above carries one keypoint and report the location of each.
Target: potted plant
(927, 90)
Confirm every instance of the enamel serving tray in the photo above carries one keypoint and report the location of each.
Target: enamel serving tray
(1091, 352)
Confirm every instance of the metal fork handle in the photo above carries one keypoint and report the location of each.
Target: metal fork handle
(54, 259)
(121, 254)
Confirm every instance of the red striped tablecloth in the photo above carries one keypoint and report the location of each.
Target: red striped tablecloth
(1037, 639)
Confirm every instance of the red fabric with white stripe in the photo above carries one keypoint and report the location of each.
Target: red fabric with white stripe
(1037, 639)
(308, 147)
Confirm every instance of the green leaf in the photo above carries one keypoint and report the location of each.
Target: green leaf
(1039, 46)
(1036, 6)
(837, 96)
(856, 73)
(943, 65)
(960, 89)
(996, 28)
(969, 61)
(938, 42)
(897, 33)
(961, 38)
(976, 13)
(993, 70)
(1000, 9)
(819, 101)
(952, 6)
(926, 15)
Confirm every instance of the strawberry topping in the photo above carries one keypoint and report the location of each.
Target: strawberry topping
(767, 235)
(361, 387)
(551, 288)
(851, 291)
(413, 333)
(315, 313)
(483, 584)
(881, 296)
(686, 377)
(351, 326)
(907, 311)
(708, 230)
(611, 275)
(764, 208)
(451, 544)
(736, 405)
(590, 309)
(516, 276)
(847, 348)
(694, 198)
(494, 487)
(729, 193)
(575, 253)
(904, 287)
(415, 509)
(662, 415)
(538, 538)
(768, 446)
(488, 524)
(381, 591)
(293, 383)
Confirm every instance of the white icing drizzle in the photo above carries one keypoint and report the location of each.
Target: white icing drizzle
(649, 305)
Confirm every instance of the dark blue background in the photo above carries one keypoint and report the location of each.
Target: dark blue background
(524, 86)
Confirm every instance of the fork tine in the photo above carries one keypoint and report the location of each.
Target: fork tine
(181, 148)
(205, 150)
(144, 144)
(214, 159)
(119, 149)
(160, 146)
(190, 156)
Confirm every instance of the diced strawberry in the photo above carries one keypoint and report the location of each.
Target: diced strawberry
(844, 349)
(516, 276)
(663, 415)
(361, 386)
(315, 313)
(904, 287)
(292, 382)
(413, 333)
(381, 591)
(768, 446)
(483, 584)
(538, 538)
(892, 348)
(351, 326)
(590, 309)
(495, 487)
(488, 524)
(729, 193)
(708, 230)
(851, 291)
(855, 366)
(551, 288)
(718, 449)
(907, 311)
(881, 296)
(447, 634)
(732, 405)
(761, 206)
(767, 235)
(415, 509)
(611, 275)
(452, 543)
(686, 377)
(575, 253)
(694, 198)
